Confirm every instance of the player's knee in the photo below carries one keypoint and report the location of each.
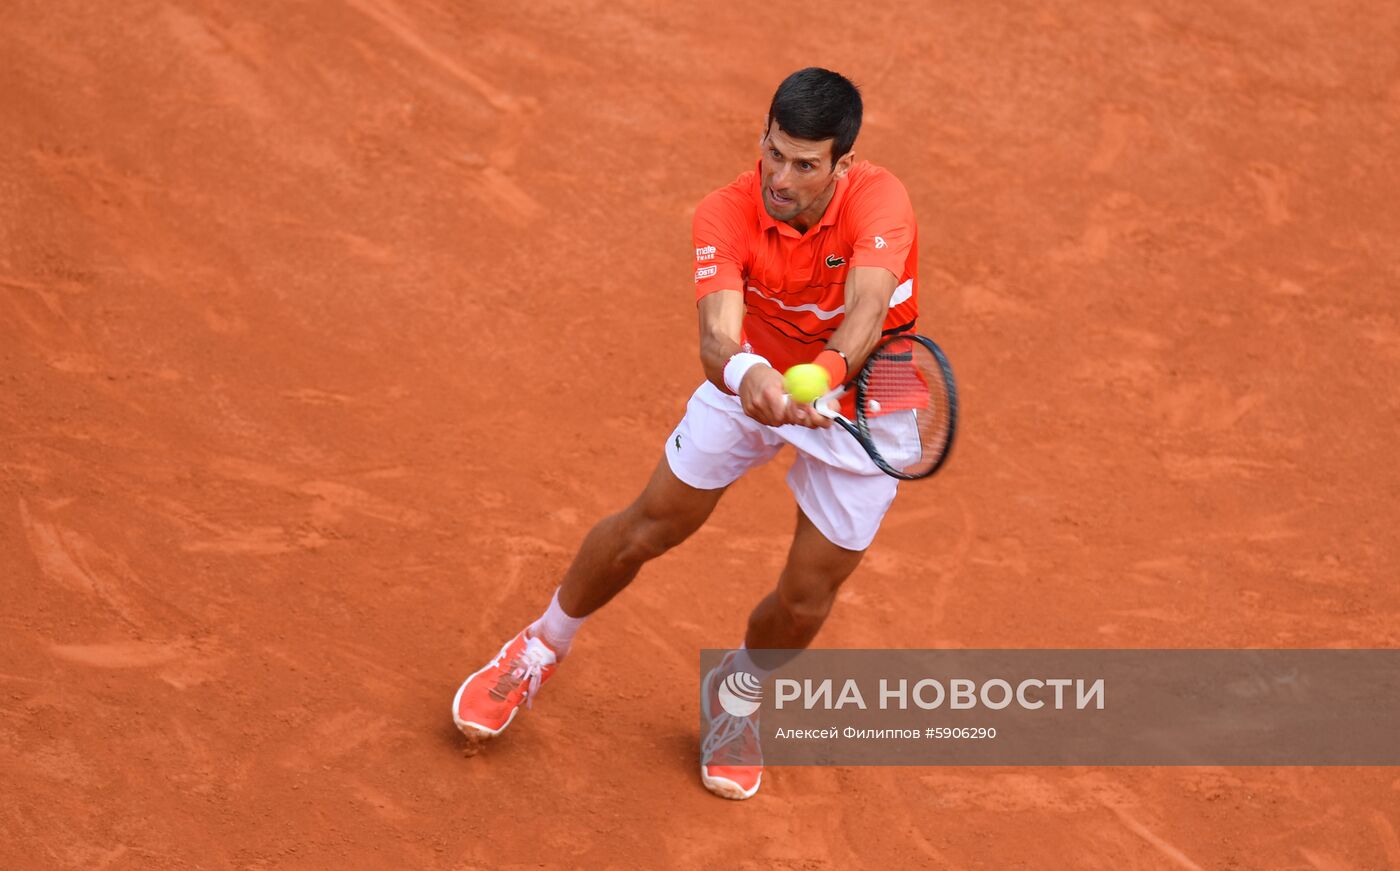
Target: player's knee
(649, 537)
(808, 608)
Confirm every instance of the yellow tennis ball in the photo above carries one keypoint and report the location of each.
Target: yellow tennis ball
(805, 382)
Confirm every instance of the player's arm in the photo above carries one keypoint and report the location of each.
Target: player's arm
(721, 324)
(720, 257)
(885, 235)
(868, 293)
(760, 387)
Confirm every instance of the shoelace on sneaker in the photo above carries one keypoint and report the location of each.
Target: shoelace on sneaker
(528, 668)
(726, 729)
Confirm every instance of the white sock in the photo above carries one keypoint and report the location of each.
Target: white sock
(743, 662)
(556, 628)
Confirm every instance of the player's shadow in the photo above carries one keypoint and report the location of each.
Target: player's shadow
(683, 747)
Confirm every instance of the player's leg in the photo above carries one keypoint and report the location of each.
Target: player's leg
(790, 616)
(713, 446)
(841, 500)
(667, 512)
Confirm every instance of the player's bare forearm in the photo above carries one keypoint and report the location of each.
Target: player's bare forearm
(868, 293)
(761, 392)
(721, 324)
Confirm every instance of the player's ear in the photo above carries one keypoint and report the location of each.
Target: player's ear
(843, 165)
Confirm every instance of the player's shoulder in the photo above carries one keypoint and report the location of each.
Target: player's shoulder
(870, 182)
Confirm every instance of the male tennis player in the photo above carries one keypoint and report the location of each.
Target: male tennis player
(809, 257)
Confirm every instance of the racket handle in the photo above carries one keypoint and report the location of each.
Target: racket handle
(820, 404)
(829, 406)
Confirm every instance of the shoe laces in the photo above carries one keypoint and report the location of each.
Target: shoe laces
(726, 730)
(528, 668)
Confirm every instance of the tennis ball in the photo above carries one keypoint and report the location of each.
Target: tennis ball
(805, 382)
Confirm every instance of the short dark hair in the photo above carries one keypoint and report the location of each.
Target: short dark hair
(818, 104)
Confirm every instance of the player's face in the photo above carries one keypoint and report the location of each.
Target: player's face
(798, 176)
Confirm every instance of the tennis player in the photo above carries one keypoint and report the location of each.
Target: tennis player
(808, 257)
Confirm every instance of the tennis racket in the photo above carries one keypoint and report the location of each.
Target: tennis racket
(906, 407)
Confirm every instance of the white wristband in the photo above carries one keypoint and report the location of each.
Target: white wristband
(739, 366)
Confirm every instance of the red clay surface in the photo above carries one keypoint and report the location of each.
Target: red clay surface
(327, 329)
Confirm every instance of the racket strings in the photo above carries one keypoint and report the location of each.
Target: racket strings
(908, 407)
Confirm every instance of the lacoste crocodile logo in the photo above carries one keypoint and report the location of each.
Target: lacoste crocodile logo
(833, 261)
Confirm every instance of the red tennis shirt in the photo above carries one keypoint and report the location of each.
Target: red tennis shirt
(794, 284)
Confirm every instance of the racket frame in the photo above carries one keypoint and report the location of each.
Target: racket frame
(828, 406)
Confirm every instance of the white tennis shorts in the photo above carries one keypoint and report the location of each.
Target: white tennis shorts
(836, 484)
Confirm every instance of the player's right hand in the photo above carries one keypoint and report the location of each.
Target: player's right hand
(761, 393)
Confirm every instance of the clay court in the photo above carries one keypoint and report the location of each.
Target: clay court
(327, 330)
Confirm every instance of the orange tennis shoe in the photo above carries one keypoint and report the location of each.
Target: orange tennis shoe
(731, 760)
(489, 699)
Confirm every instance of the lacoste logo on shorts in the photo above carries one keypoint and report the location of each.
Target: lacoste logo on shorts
(834, 261)
(705, 272)
(706, 253)
(740, 694)
(678, 441)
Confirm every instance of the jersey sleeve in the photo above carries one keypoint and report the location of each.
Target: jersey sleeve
(720, 245)
(882, 223)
